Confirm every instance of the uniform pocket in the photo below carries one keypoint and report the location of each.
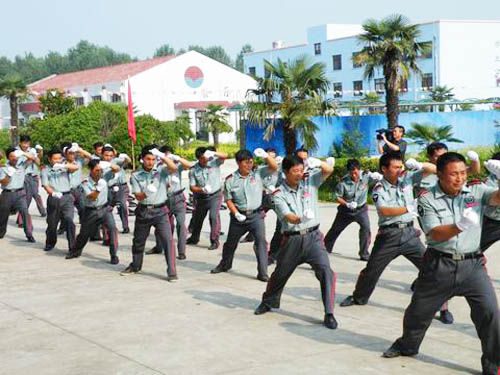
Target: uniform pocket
(447, 219)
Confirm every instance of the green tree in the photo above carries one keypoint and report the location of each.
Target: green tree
(214, 121)
(239, 63)
(424, 134)
(373, 98)
(55, 102)
(214, 52)
(351, 145)
(13, 87)
(391, 44)
(293, 93)
(441, 94)
(182, 127)
(164, 50)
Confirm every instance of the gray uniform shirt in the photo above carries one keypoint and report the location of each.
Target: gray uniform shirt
(157, 176)
(77, 176)
(17, 179)
(352, 191)
(88, 186)
(492, 212)
(174, 182)
(246, 192)
(59, 180)
(209, 175)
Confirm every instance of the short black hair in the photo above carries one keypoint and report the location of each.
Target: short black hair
(496, 156)
(401, 127)
(146, 150)
(434, 146)
(447, 158)
(385, 159)
(93, 163)
(53, 152)
(107, 148)
(9, 150)
(353, 164)
(291, 161)
(243, 155)
(25, 138)
(301, 149)
(98, 144)
(200, 151)
(166, 148)
(270, 149)
(211, 148)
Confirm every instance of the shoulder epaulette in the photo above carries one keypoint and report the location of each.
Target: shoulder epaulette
(377, 186)
(275, 192)
(422, 192)
(85, 181)
(474, 182)
(229, 176)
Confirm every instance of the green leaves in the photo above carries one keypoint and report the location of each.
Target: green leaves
(424, 134)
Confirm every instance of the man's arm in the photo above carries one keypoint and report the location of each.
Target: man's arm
(392, 211)
(380, 147)
(392, 146)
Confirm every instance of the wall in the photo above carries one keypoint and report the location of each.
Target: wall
(475, 128)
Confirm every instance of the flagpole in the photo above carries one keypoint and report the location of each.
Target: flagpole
(133, 154)
(131, 123)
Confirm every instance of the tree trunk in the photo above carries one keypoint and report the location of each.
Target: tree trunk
(14, 121)
(216, 138)
(243, 136)
(289, 139)
(391, 94)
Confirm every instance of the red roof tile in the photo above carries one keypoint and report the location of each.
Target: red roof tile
(96, 76)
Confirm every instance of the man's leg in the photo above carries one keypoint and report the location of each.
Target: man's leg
(364, 233)
(235, 232)
(5, 205)
(180, 224)
(339, 224)
(275, 243)
(89, 222)
(67, 214)
(162, 228)
(257, 227)
(141, 232)
(202, 206)
(52, 221)
(214, 218)
(38, 198)
(20, 205)
(109, 222)
(490, 233)
(123, 206)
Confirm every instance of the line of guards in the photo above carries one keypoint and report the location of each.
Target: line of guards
(460, 220)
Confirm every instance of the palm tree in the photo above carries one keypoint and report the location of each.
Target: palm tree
(372, 98)
(441, 94)
(424, 134)
(12, 88)
(214, 121)
(293, 93)
(392, 45)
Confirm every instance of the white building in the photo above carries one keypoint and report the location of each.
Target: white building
(465, 56)
(163, 87)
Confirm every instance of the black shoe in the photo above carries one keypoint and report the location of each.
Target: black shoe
(191, 241)
(247, 238)
(446, 317)
(270, 260)
(349, 301)
(129, 271)
(218, 269)
(330, 321)
(392, 352)
(263, 278)
(72, 255)
(213, 246)
(126, 230)
(172, 278)
(114, 259)
(30, 239)
(61, 231)
(43, 215)
(154, 250)
(364, 258)
(48, 247)
(262, 309)
(181, 256)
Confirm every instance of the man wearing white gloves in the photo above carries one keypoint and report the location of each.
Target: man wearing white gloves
(205, 183)
(243, 195)
(351, 193)
(13, 195)
(296, 204)
(454, 265)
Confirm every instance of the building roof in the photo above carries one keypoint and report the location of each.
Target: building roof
(203, 104)
(115, 73)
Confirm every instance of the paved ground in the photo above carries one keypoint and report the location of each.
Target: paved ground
(80, 316)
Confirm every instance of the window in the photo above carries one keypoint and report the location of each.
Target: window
(403, 86)
(116, 98)
(337, 62)
(79, 101)
(358, 88)
(317, 48)
(427, 83)
(379, 85)
(337, 90)
(428, 54)
(96, 98)
(267, 73)
(251, 71)
(354, 64)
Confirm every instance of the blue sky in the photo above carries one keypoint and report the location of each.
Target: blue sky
(139, 27)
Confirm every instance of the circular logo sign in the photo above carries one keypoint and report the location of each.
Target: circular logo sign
(193, 77)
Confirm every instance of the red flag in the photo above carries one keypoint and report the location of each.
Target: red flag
(131, 121)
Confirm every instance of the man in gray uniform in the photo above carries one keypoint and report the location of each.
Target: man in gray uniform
(454, 264)
(296, 204)
(490, 232)
(351, 193)
(243, 195)
(149, 186)
(13, 195)
(205, 183)
(96, 211)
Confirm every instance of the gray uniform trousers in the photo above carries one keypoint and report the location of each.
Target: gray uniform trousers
(275, 243)
(176, 212)
(31, 185)
(253, 224)
(145, 218)
(296, 250)
(76, 195)
(490, 233)
(14, 200)
(60, 210)
(120, 198)
(389, 244)
(92, 217)
(207, 204)
(342, 220)
(441, 279)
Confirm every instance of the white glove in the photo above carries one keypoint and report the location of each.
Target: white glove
(116, 189)
(59, 167)
(207, 189)
(32, 151)
(330, 161)
(175, 179)
(101, 185)
(38, 147)
(313, 162)
(108, 145)
(18, 153)
(352, 205)
(240, 217)
(468, 220)
(279, 159)
(57, 195)
(375, 176)
(157, 153)
(260, 153)
(209, 154)
(151, 189)
(472, 156)
(271, 188)
(413, 164)
(308, 215)
(10, 171)
(174, 157)
(123, 156)
(412, 209)
(493, 166)
(74, 147)
(104, 165)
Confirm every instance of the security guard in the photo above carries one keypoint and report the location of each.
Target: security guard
(56, 181)
(490, 232)
(351, 194)
(98, 146)
(243, 195)
(96, 211)
(454, 264)
(296, 204)
(205, 183)
(149, 186)
(13, 195)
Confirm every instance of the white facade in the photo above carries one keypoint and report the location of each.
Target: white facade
(4, 113)
(465, 57)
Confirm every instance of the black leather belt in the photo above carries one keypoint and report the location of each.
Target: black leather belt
(249, 212)
(397, 225)
(153, 205)
(66, 192)
(177, 193)
(303, 231)
(209, 195)
(96, 208)
(13, 190)
(459, 256)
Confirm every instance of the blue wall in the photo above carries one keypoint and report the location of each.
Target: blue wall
(475, 128)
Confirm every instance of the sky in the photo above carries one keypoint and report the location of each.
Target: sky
(139, 27)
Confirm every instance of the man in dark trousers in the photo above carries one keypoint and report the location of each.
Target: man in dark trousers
(296, 204)
(243, 194)
(454, 264)
(351, 194)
